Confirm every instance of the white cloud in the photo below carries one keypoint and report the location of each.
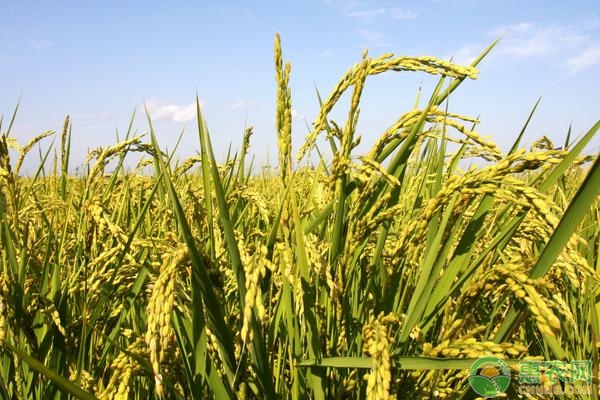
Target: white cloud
(368, 14)
(107, 116)
(40, 43)
(237, 105)
(365, 14)
(367, 11)
(574, 48)
(297, 115)
(521, 27)
(466, 54)
(402, 13)
(586, 59)
(241, 105)
(373, 38)
(172, 112)
(530, 40)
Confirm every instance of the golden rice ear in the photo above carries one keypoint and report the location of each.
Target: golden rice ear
(377, 343)
(283, 116)
(381, 64)
(13, 144)
(27, 148)
(159, 333)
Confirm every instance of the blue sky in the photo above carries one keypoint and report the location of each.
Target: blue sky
(97, 61)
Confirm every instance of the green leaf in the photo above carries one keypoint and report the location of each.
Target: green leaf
(61, 382)
(403, 363)
(577, 210)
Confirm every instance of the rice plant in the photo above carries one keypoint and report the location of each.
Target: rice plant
(378, 275)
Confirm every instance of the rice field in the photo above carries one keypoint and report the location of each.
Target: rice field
(381, 275)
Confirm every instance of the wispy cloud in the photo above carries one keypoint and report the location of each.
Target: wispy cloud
(241, 105)
(573, 48)
(296, 114)
(531, 40)
(107, 116)
(465, 54)
(393, 12)
(40, 43)
(365, 14)
(368, 11)
(373, 38)
(586, 59)
(298, 117)
(172, 112)
(402, 13)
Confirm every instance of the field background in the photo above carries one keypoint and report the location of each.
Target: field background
(379, 274)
